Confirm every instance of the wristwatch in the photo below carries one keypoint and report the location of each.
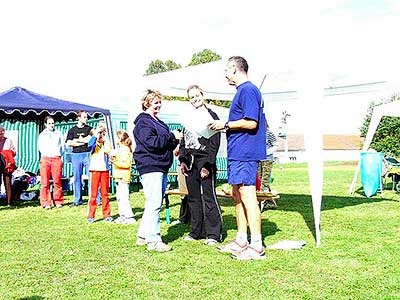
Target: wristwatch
(226, 127)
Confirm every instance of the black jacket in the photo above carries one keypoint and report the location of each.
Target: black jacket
(206, 155)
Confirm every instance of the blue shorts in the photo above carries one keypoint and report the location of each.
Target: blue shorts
(242, 172)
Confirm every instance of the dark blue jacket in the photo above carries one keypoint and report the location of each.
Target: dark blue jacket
(154, 145)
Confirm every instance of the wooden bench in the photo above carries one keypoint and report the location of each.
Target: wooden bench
(166, 198)
(261, 196)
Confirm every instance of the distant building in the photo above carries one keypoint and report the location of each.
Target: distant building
(335, 148)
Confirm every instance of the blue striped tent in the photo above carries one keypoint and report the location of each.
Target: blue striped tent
(23, 111)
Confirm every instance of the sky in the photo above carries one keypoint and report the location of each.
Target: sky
(96, 51)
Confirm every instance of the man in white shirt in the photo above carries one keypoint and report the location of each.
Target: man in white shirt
(51, 147)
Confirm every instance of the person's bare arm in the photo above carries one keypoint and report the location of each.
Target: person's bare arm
(241, 124)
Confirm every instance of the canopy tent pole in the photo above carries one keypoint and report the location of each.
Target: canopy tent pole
(373, 125)
(107, 119)
(311, 93)
(262, 81)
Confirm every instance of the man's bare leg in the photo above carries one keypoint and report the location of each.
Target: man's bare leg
(250, 206)
(251, 209)
(241, 218)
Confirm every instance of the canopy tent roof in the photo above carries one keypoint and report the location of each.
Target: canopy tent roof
(211, 77)
(277, 83)
(309, 85)
(30, 105)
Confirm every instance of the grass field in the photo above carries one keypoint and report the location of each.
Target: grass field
(57, 255)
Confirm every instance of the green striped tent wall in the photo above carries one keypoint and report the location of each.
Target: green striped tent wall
(117, 123)
(123, 126)
(28, 131)
(64, 127)
(119, 119)
(27, 156)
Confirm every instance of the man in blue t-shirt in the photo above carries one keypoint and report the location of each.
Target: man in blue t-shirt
(246, 135)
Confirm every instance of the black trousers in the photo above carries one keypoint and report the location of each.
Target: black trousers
(184, 212)
(206, 217)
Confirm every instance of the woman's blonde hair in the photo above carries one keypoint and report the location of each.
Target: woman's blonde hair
(124, 138)
(148, 97)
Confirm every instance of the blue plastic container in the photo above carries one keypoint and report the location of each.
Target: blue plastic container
(371, 172)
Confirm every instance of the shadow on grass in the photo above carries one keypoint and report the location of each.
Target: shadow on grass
(18, 204)
(32, 298)
(303, 204)
(36, 202)
(299, 203)
(175, 232)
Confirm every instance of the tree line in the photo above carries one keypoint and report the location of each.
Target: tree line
(202, 57)
(387, 136)
(159, 66)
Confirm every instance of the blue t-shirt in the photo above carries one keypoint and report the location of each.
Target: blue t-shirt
(247, 145)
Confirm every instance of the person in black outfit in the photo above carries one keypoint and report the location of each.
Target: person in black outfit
(77, 138)
(184, 211)
(197, 156)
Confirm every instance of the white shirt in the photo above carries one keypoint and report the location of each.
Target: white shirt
(51, 143)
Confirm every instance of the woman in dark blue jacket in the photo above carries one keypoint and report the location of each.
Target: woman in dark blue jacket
(153, 157)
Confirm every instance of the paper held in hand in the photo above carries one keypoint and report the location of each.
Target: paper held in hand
(197, 121)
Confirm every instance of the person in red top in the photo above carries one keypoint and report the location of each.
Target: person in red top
(7, 148)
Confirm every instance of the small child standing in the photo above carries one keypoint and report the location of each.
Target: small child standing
(99, 168)
(122, 161)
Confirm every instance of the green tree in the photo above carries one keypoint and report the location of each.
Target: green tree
(222, 103)
(387, 136)
(171, 65)
(204, 56)
(158, 66)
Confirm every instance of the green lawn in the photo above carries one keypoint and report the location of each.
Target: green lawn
(57, 255)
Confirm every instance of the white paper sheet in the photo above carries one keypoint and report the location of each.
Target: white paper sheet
(197, 120)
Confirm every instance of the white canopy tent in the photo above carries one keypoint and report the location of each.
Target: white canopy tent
(390, 109)
(211, 78)
(305, 85)
(281, 93)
